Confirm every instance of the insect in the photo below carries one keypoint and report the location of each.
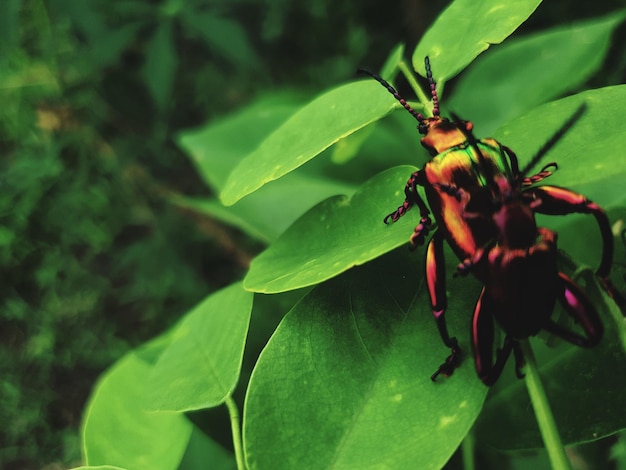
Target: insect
(484, 209)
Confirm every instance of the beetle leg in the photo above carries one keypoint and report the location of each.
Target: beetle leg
(436, 280)
(552, 200)
(411, 197)
(543, 174)
(578, 306)
(465, 266)
(420, 233)
(482, 341)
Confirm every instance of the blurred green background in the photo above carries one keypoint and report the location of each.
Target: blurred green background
(95, 259)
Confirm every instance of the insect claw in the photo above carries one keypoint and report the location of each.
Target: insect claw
(420, 233)
(391, 216)
(451, 363)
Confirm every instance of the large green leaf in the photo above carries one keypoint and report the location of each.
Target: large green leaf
(589, 155)
(465, 29)
(335, 235)
(315, 127)
(117, 430)
(200, 367)
(345, 380)
(526, 72)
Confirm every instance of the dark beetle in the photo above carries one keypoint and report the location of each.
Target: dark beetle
(484, 207)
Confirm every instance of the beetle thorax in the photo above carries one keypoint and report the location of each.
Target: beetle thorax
(440, 134)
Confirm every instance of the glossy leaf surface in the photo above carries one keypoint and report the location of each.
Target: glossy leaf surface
(358, 353)
(335, 235)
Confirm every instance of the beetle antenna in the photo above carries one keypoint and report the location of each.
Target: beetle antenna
(432, 85)
(554, 139)
(396, 95)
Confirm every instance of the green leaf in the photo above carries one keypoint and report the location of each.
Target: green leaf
(526, 72)
(160, 65)
(465, 29)
(589, 155)
(218, 147)
(118, 431)
(225, 36)
(345, 380)
(9, 24)
(315, 127)
(200, 367)
(268, 212)
(335, 235)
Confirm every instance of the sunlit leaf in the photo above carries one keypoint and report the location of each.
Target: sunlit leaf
(315, 127)
(200, 367)
(335, 235)
(465, 29)
(118, 431)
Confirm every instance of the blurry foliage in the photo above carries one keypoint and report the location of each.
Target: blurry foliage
(95, 258)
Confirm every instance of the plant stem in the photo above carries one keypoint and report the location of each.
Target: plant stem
(467, 447)
(410, 76)
(233, 411)
(543, 412)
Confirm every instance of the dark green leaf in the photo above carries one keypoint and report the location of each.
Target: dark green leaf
(345, 380)
(465, 29)
(9, 24)
(200, 367)
(335, 235)
(160, 65)
(315, 127)
(224, 35)
(526, 72)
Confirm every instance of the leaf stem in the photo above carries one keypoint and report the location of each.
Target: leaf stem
(543, 412)
(467, 448)
(233, 411)
(410, 76)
